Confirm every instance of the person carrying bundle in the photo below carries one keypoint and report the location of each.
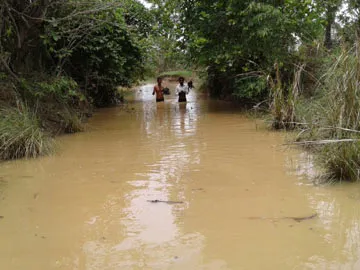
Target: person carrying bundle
(182, 90)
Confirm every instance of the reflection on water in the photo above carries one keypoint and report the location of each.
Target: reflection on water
(154, 226)
(88, 207)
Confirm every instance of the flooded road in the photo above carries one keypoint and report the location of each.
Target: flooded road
(88, 206)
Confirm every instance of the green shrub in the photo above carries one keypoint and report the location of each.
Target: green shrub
(251, 88)
(60, 89)
(21, 134)
(58, 100)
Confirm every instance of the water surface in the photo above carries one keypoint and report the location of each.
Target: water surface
(87, 207)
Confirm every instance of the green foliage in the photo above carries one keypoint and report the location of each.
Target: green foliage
(168, 52)
(110, 59)
(250, 88)
(59, 55)
(58, 100)
(110, 53)
(232, 39)
(61, 89)
(21, 134)
(101, 44)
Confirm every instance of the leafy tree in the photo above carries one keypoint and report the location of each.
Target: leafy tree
(239, 41)
(101, 44)
(329, 7)
(101, 51)
(354, 11)
(168, 51)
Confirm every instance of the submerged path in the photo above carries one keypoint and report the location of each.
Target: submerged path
(169, 186)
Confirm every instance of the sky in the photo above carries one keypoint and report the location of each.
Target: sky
(146, 4)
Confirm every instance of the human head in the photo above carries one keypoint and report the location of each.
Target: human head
(181, 80)
(159, 80)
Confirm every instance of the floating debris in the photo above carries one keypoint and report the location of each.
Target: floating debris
(168, 202)
(297, 219)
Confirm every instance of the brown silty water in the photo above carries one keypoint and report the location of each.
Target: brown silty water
(88, 206)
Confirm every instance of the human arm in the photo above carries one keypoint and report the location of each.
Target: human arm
(153, 93)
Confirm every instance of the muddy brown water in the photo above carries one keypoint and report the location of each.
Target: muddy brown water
(89, 206)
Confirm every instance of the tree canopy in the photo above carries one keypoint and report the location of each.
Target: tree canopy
(104, 44)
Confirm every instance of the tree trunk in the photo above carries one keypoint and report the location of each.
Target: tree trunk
(330, 15)
(328, 40)
(331, 8)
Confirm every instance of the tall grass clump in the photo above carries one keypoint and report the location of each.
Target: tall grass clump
(334, 117)
(71, 122)
(21, 134)
(283, 99)
(341, 161)
(342, 81)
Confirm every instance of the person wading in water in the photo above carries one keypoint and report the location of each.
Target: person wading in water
(182, 90)
(158, 90)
